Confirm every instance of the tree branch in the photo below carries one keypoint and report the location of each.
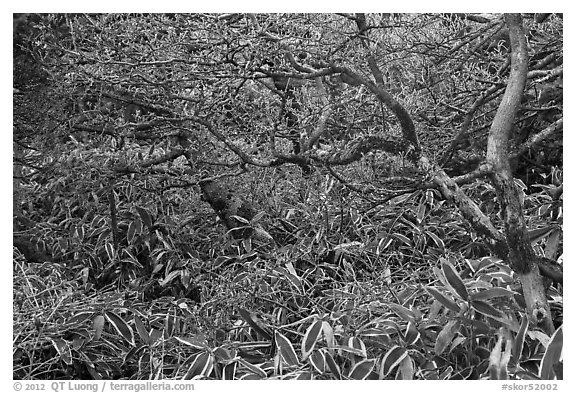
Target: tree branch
(362, 32)
(538, 137)
(356, 149)
(237, 150)
(404, 118)
(521, 256)
(466, 123)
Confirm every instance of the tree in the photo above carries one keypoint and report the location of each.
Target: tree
(520, 253)
(162, 102)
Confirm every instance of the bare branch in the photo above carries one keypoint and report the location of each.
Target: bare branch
(320, 127)
(237, 150)
(404, 118)
(539, 137)
(469, 209)
(466, 123)
(356, 149)
(362, 32)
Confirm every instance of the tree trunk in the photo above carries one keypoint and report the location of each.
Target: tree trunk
(228, 206)
(521, 256)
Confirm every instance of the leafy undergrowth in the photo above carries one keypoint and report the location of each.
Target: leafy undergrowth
(265, 320)
(346, 292)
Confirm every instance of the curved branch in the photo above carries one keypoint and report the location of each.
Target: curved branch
(326, 111)
(356, 149)
(539, 137)
(404, 118)
(362, 32)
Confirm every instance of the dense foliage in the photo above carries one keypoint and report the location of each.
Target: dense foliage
(367, 269)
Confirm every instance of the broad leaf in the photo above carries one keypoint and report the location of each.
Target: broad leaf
(131, 233)
(286, 349)
(192, 342)
(257, 217)
(443, 299)
(141, 329)
(310, 338)
(402, 238)
(485, 309)
(454, 280)
(358, 344)
(437, 240)
(110, 251)
(403, 312)
(63, 350)
(121, 326)
(145, 216)
(332, 365)
(446, 336)
(169, 277)
(229, 371)
(155, 335)
(98, 326)
(412, 335)
(201, 365)
(253, 368)
(491, 293)
(318, 360)
(246, 316)
(406, 369)
(392, 359)
(362, 370)
(518, 344)
(328, 334)
(552, 356)
(305, 376)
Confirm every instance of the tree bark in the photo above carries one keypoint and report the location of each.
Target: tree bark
(228, 205)
(514, 246)
(520, 256)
